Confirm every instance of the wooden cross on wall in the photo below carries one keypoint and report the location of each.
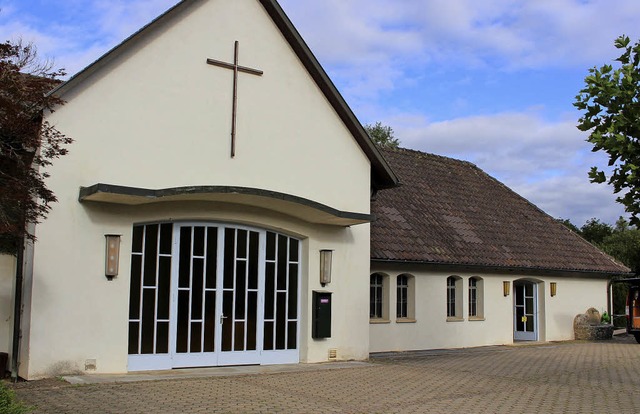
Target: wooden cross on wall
(236, 68)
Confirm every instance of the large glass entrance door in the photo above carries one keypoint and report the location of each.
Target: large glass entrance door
(525, 311)
(206, 295)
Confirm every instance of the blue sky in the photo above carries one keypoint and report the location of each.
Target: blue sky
(491, 82)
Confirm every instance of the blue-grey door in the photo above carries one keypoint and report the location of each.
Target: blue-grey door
(525, 311)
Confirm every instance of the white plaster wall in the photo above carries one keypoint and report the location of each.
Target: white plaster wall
(7, 287)
(79, 315)
(349, 322)
(432, 330)
(573, 296)
(158, 117)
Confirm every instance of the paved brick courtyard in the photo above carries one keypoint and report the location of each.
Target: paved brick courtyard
(570, 377)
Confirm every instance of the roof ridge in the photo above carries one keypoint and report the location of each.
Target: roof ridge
(422, 154)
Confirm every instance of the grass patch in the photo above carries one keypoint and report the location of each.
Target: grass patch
(9, 404)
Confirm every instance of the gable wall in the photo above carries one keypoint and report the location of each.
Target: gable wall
(159, 117)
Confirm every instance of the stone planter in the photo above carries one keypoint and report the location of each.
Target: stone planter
(587, 326)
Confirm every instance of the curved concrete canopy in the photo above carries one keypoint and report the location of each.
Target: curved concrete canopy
(302, 208)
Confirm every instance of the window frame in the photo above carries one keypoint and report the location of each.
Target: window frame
(473, 297)
(454, 298)
(478, 289)
(379, 292)
(405, 286)
(402, 296)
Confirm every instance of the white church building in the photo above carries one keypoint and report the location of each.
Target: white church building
(222, 205)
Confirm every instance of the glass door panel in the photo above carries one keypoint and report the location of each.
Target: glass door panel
(525, 323)
(196, 324)
(240, 289)
(149, 296)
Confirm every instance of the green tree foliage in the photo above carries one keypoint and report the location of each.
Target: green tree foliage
(27, 143)
(611, 113)
(621, 225)
(569, 225)
(625, 247)
(382, 135)
(596, 231)
(621, 242)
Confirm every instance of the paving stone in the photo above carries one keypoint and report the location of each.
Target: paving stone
(570, 377)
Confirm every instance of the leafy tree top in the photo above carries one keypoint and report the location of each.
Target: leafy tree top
(596, 231)
(27, 143)
(382, 135)
(567, 223)
(610, 105)
(621, 241)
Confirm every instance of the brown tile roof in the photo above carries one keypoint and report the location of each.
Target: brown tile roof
(450, 212)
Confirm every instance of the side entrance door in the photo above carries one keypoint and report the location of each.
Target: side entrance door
(525, 311)
(208, 295)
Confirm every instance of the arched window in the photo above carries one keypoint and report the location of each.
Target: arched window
(405, 302)
(379, 297)
(402, 303)
(473, 297)
(476, 300)
(454, 297)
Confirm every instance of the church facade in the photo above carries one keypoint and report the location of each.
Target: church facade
(215, 209)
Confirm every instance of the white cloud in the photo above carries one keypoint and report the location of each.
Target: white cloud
(374, 47)
(545, 162)
(78, 32)
(370, 46)
(377, 44)
(572, 197)
(121, 18)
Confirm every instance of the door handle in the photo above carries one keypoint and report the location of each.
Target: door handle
(222, 318)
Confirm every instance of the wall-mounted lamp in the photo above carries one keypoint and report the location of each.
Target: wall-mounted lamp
(506, 288)
(112, 255)
(554, 288)
(325, 266)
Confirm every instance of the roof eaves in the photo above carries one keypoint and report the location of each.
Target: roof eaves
(509, 269)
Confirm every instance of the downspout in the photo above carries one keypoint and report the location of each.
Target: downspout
(17, 310)
(610, 300)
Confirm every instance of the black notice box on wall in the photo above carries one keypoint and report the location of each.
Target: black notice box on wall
(321, 315)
